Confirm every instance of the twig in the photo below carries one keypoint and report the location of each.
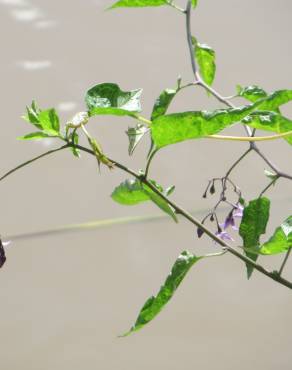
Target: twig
(285, 261)
(33, 160)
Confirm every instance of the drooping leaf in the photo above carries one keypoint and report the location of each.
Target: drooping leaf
(251, 93)
(205, 57)
(177, 127)
(155, 304)
(281, 240)
(269, 121)
(135, 135)
(132, 192)
(253, 225)
(138, 3)
(39, 135)
(108, 98)
(162, 103)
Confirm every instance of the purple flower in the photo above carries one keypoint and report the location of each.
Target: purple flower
(239, 211)
(222, 234)
(229, 222)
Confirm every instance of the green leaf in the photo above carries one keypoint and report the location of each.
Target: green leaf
(269, 121)
(253, 225)
(194, 3)
(74, 138)
(281, 240)
(154, 305)
(36, 136)
(251, 93)
(108, 98)
(271, 175)
(273, 101)
(162, 103)
(177, 127)
(49, 121)
(132, 192)
(32, 114)
(205, 57)
(138, 3)
(135, 135)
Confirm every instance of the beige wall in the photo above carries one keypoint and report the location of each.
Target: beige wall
(64, 299)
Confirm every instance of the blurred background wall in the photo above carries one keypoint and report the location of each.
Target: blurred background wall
(65, 298)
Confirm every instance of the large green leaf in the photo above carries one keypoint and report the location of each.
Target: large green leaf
(251, 93)
(108, 98)
(162, 103)
(132, 192)
(269, 121)
(281, 240)
(138, 3)
(253, 225)
(154, 305)
(205, 57)
(177, 127)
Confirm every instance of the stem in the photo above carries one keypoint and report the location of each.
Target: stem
(192, 49)
(33, 160)
(285, 261)
(149, 161)
(197, 223)
(268, 186)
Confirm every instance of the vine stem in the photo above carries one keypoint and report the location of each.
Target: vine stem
(33, 160)
(250, 138)
(179, 210)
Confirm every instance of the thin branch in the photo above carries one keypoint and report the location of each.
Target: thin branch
(188, 13)
(285, 261)
(33, 160)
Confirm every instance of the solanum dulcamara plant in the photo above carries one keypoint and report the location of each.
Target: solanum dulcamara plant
(249, 217)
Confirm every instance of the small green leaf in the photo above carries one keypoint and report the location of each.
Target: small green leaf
(138, 3)
(269, 121)
(271, 175)
(108, 98)
(177, 127)
(253, 225)
(281, 240)
(135, 135)
(205, 57)
(154, 305)
(162, 103)
(251, 93)
(194, 3)
(32, 114)
(49, 121)
(132, 192)
(74, 138)
(36, 136)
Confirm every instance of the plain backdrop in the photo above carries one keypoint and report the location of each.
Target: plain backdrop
(64, 299)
